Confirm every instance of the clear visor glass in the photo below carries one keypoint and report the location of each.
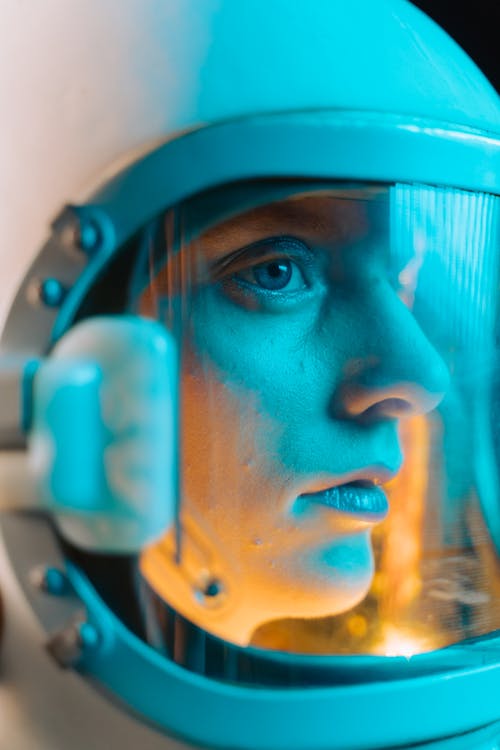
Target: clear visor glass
(339, 415)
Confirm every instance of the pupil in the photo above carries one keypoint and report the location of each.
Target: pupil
(275, 275)
(275, 270)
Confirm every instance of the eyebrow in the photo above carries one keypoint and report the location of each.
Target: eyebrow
(319, 218)
(302, 217)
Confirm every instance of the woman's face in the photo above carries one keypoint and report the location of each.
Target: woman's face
(300, 358)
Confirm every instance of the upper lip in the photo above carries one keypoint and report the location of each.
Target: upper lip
(376, 474)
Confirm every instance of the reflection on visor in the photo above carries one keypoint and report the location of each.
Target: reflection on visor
(338, 479)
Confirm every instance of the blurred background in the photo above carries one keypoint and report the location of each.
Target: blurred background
(475, 26)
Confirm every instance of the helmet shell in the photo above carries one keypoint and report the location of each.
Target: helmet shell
(93, 85)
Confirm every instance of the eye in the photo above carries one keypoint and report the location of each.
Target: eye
(275, 275)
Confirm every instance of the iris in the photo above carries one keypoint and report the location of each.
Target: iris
(274, 275)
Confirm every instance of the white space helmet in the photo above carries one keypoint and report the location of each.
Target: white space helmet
(250, 370)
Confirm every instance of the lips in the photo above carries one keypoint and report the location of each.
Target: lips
(362, 498)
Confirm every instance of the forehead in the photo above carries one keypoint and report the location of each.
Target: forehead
(326, 218)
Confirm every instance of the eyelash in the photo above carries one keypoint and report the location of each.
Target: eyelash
(274, 250)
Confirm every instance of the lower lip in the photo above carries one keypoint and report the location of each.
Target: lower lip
(365, 500)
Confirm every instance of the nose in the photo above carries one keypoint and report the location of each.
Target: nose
(395, 371)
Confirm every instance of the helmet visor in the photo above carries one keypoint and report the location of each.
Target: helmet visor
(338, 414)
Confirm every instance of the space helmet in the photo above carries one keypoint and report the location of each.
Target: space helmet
(250, 365)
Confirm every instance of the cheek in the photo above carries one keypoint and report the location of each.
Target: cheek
(285, 364)
(228, 473)
(257, 389)
(256, 351)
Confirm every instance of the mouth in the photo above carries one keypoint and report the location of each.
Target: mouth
(361, 498)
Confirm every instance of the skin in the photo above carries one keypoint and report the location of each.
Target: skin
(300, 358)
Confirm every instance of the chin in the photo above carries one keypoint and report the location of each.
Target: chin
(304, 605)
(340, 574)
(323, 583)
(352, 595)
(335, 600)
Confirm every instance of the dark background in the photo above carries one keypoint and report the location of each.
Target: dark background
(475, 25)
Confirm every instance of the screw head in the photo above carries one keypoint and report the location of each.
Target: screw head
(89, 635)
(69, 644)
(55, 582)
(51, 292)
(210, 590)
(88, 235)
(213, 588)
(50, 580)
